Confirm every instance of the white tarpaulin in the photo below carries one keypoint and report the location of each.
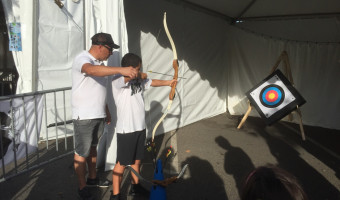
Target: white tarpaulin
(26, 123)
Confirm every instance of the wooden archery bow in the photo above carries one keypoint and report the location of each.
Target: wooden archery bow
(173, 87)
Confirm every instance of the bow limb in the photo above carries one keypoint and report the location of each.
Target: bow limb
(173, 87)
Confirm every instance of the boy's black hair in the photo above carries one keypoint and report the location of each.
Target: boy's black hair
(131, 59)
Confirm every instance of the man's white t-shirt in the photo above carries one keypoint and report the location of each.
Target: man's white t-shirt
(130, 106)
(88, 92)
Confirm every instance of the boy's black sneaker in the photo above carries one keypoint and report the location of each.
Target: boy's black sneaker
(97, 183)
(115, 197)
(138, 189)
(85, 194)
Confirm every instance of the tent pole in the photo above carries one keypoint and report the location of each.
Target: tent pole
(84, 26)
(35, 45)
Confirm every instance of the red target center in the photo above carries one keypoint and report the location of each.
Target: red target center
(272, 96)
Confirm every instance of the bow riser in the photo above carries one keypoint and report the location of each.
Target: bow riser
(173, 87)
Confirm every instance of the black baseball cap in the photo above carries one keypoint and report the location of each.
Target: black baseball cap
(104, 39)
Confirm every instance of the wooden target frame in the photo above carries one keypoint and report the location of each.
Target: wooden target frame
(285, 101)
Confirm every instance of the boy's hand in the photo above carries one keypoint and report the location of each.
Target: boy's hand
(173, 82)
(142, 75)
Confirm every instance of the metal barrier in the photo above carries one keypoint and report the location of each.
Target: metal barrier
(36, 129)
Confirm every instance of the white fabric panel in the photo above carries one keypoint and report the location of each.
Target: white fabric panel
(59, 42)
(315, 69)
(22, 11)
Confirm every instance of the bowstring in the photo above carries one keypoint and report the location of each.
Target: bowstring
(147, 96)
(153, 147)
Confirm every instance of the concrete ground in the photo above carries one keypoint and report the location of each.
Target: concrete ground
(218, 155)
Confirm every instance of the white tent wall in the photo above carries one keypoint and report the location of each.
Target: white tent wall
(20, 11)
(200, 43)
(315, 68)
(59, 41)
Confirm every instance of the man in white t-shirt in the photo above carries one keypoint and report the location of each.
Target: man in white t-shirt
(130, 125)
(89, 106)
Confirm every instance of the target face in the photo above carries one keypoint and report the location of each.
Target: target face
(274, 97)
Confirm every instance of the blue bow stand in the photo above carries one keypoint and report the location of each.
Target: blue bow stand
(158, 192)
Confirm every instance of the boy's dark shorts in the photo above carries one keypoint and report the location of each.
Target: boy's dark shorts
(130, 147)
(86, 134)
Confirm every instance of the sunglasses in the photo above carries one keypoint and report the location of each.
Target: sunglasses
(109, 48)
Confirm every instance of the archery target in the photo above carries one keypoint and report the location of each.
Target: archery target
(274, 97)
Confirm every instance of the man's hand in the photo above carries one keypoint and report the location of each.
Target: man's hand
(129, 72)
(108, 115)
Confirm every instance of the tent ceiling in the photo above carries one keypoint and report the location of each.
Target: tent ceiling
(301, 20)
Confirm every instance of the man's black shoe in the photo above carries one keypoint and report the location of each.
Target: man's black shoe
(137, 189)
(85, 194)
(97, 183)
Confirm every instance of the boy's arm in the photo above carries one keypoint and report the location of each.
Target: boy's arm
(157, 83)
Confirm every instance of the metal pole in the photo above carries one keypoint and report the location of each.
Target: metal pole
(84, 25)
(35, 45)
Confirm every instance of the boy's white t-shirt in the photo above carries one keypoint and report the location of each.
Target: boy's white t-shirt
(130, 108)
(88, 92)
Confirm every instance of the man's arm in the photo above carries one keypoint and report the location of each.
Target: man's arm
(140, 75)
(101, 70)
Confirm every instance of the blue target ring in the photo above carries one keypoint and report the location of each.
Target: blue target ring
(272, 96)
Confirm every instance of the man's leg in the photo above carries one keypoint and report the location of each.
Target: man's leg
(91, 163)
(80, 168)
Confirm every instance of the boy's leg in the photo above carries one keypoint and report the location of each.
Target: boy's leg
(139, 154)
(117, 176)
(136, 188)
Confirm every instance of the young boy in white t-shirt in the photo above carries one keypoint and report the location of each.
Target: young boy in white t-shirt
(130, 127)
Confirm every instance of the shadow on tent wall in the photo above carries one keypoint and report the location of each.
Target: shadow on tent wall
(36, 129)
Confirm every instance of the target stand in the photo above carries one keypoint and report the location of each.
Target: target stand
(275, 97)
